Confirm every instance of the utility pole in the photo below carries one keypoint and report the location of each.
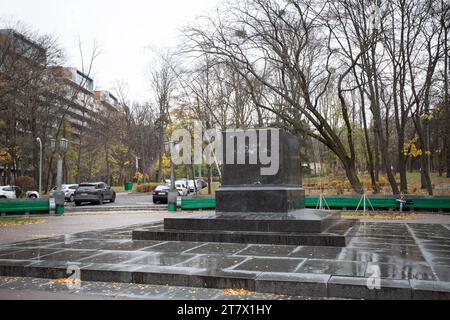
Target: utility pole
(60, 147)
(173, 193)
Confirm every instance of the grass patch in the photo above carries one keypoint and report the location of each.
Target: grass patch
(333, 185)
(378, 216)
(13, 221)
(214, 187)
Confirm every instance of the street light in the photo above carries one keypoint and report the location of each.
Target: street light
(60, 147)
(169, 150)
(64, 145)
(40, 165)
(173, 194)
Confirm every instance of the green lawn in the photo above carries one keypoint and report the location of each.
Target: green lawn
(329, 182)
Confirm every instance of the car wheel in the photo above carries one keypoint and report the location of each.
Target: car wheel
(72, 198)
(101, 200)
(77, 203)
(113, 199)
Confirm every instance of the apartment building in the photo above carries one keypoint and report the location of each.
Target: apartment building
(22, 63)
(78, 102)
(71, 92)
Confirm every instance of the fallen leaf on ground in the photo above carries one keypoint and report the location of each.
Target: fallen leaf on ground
(66, 281)
(237, 292)
(23, 222)
(399, 216)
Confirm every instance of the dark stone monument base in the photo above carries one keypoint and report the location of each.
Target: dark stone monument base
(317, 240)
(260, 199)
(301, 228)
(299, 221)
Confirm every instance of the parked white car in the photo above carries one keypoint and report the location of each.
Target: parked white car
(181, 188)
(33, 195)
(8, 192)
(69, 191)
(200, 184)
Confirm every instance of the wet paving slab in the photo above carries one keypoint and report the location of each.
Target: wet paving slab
(267, 251)
(270, 265)
(335, 268)
(218, 248)
(174, 246)
(27, 254)
(406, 271)
(401, 252)
(69, 255)
(114, 257)
(162, 259)
(380, 256)
(317, 253)
(212, 262)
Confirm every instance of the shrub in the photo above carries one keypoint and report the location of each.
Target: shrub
(147, 187)
(26, 184)
(384, 182)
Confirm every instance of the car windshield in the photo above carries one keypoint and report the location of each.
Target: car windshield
(162, 188)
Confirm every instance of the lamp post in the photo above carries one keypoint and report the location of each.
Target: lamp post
(40, 166)
(173, 194)
(60, 147)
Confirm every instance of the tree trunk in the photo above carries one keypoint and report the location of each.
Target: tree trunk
(373, 177)
(377, 158)
(425, 177)
(402, 172)
(210, 179)
(108, 167)
(446, 98)
(352, 176)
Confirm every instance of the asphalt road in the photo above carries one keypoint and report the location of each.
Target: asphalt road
(125, 199)
(54, 226)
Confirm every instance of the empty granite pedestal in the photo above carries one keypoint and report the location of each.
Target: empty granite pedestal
(300, 227)
(254, 208)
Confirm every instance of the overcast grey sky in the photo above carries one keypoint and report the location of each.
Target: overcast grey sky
(125, 31)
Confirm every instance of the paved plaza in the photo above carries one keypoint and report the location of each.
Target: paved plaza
(413, 260)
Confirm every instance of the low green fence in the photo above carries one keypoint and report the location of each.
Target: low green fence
(417, 203)
(15, 206)
(343, 202)
(198, 203)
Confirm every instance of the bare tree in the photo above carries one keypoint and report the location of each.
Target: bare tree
(163, 82)
(287, 37)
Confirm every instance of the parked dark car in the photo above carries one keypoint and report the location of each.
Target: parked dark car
(96, 193)
(161, 195)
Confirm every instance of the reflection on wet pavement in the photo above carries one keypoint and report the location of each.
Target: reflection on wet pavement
(400, 251)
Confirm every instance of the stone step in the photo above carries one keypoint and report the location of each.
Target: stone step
(305, 223)
(296, 239)
(306, 285)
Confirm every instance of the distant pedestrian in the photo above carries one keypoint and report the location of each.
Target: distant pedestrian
(402, 200)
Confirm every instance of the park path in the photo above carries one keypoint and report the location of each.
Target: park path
(81, 222)
(75, 223)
